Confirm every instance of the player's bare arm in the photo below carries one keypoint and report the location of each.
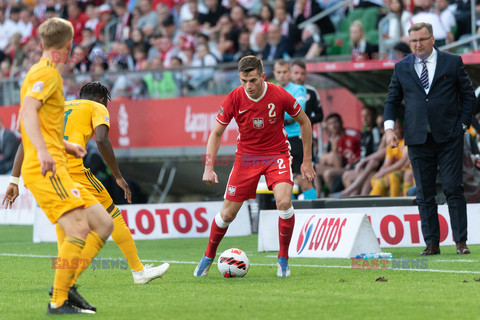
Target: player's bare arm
(12, 191)
(31, 122)
(213, 144)
(306, 132)
(74, 149)
(105, 147)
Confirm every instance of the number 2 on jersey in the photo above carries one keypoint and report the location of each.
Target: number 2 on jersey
(67, 113)
(271, 110)
(281, 164)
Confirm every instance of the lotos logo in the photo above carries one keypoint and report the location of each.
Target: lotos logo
(321, 235)
(304, 235)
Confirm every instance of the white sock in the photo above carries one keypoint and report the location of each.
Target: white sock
(220, 223)
(286, 214)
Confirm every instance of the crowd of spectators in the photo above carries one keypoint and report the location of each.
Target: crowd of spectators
(158, 35)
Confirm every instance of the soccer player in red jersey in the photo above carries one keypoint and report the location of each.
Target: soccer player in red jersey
(259, 109)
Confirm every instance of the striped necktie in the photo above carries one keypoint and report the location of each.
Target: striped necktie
(424, 75)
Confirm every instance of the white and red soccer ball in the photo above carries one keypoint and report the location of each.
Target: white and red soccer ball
(233, 263)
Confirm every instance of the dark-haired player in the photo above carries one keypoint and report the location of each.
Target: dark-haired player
(259, 109)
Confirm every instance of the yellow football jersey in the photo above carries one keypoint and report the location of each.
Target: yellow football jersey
(396, 153)
(44, 83)
(81, 119)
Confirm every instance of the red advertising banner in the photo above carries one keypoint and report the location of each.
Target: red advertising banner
(187, 121)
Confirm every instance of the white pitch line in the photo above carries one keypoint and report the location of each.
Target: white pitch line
(258, 264)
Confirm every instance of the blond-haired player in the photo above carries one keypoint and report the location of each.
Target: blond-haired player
(45, 171)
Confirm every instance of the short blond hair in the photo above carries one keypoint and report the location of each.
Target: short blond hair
(55, 33)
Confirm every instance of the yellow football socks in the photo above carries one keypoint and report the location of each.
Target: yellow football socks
(66, 265)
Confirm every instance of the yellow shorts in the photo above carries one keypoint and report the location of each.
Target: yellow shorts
(59, 194)
(94, 186)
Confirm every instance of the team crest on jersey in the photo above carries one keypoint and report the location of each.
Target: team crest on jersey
(220, 111)
(75, 192)
(38, 86)
(107, 119)
(258, 123)
(231, 190)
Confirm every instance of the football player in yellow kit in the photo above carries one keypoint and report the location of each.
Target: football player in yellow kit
(83, 118)
(86, 223)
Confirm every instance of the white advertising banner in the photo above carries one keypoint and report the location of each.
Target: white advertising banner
(323, 235)
(393, 226)
(161, 221)
(23, 210)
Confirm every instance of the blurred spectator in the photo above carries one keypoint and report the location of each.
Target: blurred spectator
(287, 28)
(238, 16)
(211, 44)
(160, 83)
(120, 57)
(79, 59)
(189, 11)
(311, 45)
(199, 79)
(24, 22)
(8, 149)
(50, 12)
(93, 15)
(356, 180)
(209, 20)
(123, 25)
(179, 76)
(5, 65)
(440, 33)
(140, 56)
(138, 37)
(78, 20)
(228, 38)
(6, 28)
(14, 18)
(169, 28)
(163, 13)
(278, 46)
(446, 18)
(105, 12)
(389, 179)
(163, 48)
(302, 10)
(243, 46)
(148, 20)
(259, 25)
(398, 20)
(342, 151)
(361, 49)
(88, 39)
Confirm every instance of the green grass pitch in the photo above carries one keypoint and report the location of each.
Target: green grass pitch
(318, 288)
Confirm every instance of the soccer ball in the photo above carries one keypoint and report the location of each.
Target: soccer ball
(233, 263)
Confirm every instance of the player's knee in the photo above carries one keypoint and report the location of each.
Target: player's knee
(283, 203)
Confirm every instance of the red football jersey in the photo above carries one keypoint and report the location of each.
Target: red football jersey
(260, 121)
(349, 148)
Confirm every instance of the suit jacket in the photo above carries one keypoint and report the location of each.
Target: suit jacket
(284, 46)
(8, 149)
(448, 105)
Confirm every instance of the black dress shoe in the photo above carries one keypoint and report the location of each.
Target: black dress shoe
(431, 250)
(462, 248)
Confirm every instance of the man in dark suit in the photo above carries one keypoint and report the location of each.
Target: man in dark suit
(8, 148)
(439, 100)
(277, 45)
